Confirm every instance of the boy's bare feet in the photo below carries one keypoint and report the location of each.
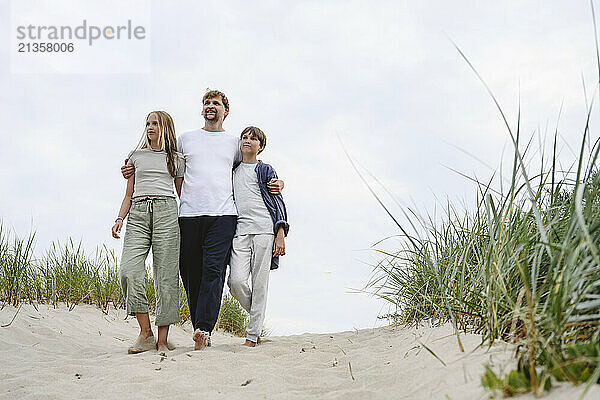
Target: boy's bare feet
(250, 343)
(201, 339)
(144, 342)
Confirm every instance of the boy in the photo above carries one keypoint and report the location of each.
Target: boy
(259, 238)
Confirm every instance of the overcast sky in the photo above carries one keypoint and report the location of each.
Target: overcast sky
(383, 76)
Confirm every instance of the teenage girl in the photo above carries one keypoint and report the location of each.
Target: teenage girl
(152, 223)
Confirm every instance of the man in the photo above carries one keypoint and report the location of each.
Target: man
(207, 213)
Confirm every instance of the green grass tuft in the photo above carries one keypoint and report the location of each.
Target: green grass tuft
(232, 317)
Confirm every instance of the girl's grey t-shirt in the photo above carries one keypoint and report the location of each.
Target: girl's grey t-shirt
(253, 215)
(152, 176)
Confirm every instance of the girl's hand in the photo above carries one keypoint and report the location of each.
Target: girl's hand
(279, 245)
(116, 229)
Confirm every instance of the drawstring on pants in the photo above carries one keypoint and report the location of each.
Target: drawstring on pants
(149, 201)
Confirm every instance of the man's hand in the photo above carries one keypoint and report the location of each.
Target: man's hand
(127, 170)
(275, 186)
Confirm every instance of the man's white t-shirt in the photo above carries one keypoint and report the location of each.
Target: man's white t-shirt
(207, 182)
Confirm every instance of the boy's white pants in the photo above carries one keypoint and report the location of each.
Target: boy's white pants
(251, 257)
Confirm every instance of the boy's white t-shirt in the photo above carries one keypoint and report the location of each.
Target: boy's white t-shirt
(253, 215)
(207, 182)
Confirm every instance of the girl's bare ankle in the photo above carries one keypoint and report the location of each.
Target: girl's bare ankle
(146, 333)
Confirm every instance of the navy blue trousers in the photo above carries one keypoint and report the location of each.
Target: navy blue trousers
(203, 258)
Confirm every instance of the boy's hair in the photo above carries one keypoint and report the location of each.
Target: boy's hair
(216, 93)
(257, 133)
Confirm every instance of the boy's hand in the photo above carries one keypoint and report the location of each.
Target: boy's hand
(275, 186)
(279, 244)
(116, 229)
(127, 170)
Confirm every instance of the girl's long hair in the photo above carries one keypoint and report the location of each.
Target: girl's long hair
(166, 139)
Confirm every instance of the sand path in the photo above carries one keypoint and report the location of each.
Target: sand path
(82, 354)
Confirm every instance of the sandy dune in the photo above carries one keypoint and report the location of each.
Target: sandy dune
(82, 354)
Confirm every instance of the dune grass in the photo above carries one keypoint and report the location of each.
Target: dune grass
(67, 275)
(522, 265)
(232, 317)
